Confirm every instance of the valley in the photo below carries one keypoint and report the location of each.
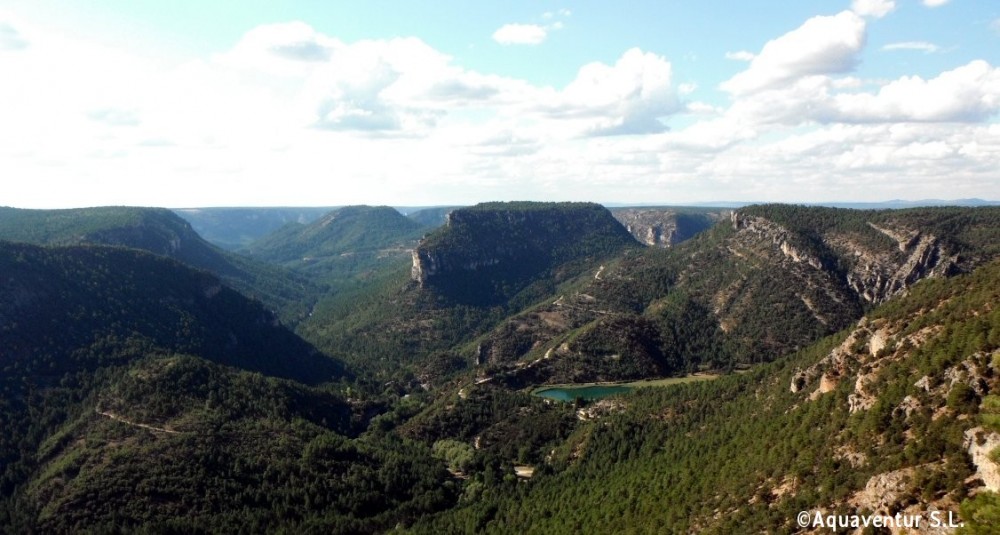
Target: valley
(508, 366)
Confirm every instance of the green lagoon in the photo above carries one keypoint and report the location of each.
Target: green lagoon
(589, 393)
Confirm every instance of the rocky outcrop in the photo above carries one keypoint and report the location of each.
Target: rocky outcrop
(924, 256)
(840, 362)
(500, 246)
(429, 264)
(979, 443)
(665, 227)
(779, 236)
(868, 267)
(885, 491)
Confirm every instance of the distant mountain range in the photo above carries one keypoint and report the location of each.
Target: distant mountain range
(892, 204)
(236, 227)
(160, 232)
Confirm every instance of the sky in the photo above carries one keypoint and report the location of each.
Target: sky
(315, 103)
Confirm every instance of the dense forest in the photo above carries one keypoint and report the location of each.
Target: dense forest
(370, 372)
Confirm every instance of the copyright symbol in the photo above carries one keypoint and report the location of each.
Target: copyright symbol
(803, 519)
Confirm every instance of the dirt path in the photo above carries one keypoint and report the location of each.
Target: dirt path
(117, 418)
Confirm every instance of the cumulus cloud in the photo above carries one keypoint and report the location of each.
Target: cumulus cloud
(378, 86)
(822, 45)
(922, 46)
(873, 8)
(970, 93)
(287, 100)
(520, 34)
(629, 97)
(283, 49)
(935, 3)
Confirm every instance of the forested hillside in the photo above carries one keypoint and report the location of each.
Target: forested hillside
(879, 418)
(486, 263)
(161, 232)
(344, 231)
(344, 249)
(844, 360)
(770, 280)
(235, 228)
(136, 393)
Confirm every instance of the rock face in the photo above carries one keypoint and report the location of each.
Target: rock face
(492, 250)
(923, 256)
(884, 490)
(779, 236)
(871, 269)
(665, 227)
(428, 265)
(979, 444)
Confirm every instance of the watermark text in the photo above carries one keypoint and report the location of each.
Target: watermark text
(931, 520)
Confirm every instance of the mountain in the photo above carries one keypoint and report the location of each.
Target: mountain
(431, 217)
(900, 203)
(786, 359)
(881, 205)
(138, 394)
(666, 226)
(898, 413)
(770, 280)
(490, 251)
(73, 307)
(344, 231)
(348, 249)
(235, 228)
(488, 262)
(161, 232)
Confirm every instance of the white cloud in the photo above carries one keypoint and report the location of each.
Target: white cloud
(287, 49)
(702, 108)
(873, 8)
(935, 3)
(740, 55)
(397, 121)
(629, 97)
(970, 93)
(922, 46)
(822, 45)
(520, 34)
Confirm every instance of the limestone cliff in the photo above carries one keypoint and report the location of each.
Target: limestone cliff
(874, 260)
(493, 249)
(666, 227)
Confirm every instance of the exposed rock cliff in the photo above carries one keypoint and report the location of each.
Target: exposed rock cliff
(491, 250)
(874, 261)
(665, 227)
(980, 443)
(876, 278)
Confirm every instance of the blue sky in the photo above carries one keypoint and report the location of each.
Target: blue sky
(409, 103)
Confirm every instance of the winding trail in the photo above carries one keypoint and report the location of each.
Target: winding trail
(117, 418)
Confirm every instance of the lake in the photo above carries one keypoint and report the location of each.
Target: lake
(589, 393)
